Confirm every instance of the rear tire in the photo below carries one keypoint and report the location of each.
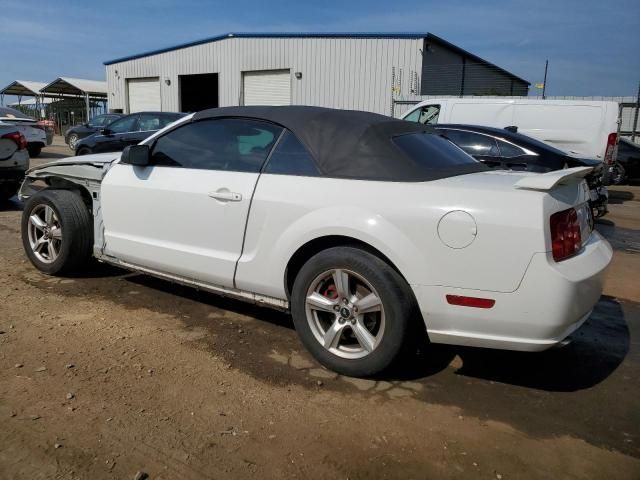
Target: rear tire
(8, 190)
(342, 330)
(617, 174)
(57, 231)
(34, 151)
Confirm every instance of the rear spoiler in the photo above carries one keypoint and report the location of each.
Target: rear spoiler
(547, 181)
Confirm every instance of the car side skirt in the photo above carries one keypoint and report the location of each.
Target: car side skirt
(235, 293)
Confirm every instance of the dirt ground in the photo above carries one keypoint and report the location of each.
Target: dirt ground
(109, 374)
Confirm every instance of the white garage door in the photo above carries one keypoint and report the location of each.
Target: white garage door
(144, 94)
(267, 87)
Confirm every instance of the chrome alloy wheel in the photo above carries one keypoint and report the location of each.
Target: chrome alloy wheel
(45, 233)
(345, 313)
(73, 141)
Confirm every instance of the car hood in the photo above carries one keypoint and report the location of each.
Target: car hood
(91, 167)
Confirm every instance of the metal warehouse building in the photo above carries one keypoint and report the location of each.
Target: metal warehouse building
(355, 71)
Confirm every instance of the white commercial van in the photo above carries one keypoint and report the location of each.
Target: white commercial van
(585, 128)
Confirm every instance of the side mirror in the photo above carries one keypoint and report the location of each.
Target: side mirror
(137, 155)
(106, 131)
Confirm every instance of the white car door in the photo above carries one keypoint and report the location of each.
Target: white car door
(186, 213)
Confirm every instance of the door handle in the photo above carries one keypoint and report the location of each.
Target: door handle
(224, 195)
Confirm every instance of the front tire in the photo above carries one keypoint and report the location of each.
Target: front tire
(83, 151)
(352, 311)
(57, 231)
(73, 141)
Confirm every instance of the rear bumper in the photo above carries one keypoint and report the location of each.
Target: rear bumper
(552, 301)
(14, 168)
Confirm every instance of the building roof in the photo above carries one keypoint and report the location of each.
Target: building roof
(76, 86)
(365, 35)
(410, 35)
(434, 38)
(23, 88)
(349, 143)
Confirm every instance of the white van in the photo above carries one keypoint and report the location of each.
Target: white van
(585, 128)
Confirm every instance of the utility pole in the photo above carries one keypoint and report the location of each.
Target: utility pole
(544, 82)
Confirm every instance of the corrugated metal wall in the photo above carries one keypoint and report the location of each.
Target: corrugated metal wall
(447, 72)
(352, 73)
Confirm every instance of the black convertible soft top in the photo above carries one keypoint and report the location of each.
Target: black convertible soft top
(349, 143)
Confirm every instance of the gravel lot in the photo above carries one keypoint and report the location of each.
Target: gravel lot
(110, 374)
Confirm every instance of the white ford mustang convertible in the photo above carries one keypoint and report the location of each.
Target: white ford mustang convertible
(369, 230)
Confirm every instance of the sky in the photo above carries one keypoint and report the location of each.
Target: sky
(591, 45)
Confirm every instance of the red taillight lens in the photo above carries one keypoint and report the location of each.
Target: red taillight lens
(566, 239)
(17, 137)
(612, 146)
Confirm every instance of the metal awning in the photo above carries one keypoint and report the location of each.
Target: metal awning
(23, 88)
(95, 89)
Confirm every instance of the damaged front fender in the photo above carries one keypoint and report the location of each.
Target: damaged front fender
(86, 171)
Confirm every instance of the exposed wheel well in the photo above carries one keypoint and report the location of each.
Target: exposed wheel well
(64, 184)
(309, 249)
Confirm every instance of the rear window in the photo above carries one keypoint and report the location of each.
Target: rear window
(433, 151)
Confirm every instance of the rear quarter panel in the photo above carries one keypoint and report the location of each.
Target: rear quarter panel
(401, 221)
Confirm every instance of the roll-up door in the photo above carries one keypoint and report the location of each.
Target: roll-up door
(267, 87)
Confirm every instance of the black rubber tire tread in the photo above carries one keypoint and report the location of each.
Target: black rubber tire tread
(77, 230)
(397, 298)
(34, 151)
(8, 190)
(83, 151)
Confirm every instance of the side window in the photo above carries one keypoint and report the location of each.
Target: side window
(413, 116)
(148, 122)
(509, 150)
(127, 124)
(473, 143)
(291, 158)
(427, 115)
(167, 119)
(234, 144)
(98, 121)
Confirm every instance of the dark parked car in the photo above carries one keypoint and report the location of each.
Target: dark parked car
(627, 166)
(507, 149)
(128, 130)
(77, 133)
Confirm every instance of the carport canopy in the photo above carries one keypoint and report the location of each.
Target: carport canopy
(80, 87)
(77, 87)
(23, 88)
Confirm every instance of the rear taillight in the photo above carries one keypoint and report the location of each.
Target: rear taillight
(612, 146)
(17, 137)
(566, 239)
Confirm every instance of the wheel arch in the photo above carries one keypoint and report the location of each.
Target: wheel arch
(318, 244)
(31, 186)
